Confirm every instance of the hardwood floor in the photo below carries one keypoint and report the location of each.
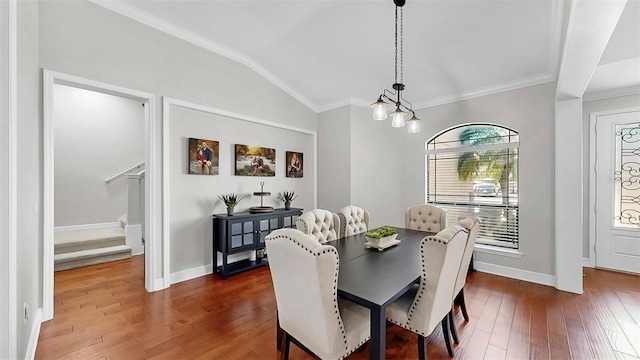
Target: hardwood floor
(103, 312)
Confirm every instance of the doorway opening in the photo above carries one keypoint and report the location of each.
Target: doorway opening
(54, 84)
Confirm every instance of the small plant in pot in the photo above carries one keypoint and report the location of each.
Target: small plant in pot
(231, 200)
(287, 197)
(381, 236)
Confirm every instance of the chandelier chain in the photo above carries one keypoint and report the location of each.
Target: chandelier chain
(396, 46)
(401, 47)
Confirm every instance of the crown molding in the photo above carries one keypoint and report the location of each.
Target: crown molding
(489, 90)
(145, 18)
(608, 94)
(555, 43)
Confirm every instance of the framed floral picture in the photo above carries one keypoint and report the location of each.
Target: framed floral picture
(295, 164)
(255, 161)
(203, 156)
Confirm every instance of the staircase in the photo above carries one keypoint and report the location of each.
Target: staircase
(80, 248)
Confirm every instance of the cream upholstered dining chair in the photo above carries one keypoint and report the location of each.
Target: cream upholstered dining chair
(472, 224)
(353, 220)
(426, 304)
(305, 277)
(319, 223)
(425, 218)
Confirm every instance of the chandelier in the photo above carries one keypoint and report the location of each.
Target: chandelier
(402, 105)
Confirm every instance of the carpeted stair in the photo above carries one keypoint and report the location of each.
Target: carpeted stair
(89, 247)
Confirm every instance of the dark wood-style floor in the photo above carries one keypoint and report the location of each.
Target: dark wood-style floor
(103, 312)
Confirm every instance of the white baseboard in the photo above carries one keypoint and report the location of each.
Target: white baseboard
(110, 225)
(158, 284)
(525, 275)
(585, 262)
(191, 273)
(33, 337)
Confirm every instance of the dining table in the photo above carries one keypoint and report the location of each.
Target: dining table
(374, 279)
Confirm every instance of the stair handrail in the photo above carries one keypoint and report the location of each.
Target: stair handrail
(123, 173)
(136, 175)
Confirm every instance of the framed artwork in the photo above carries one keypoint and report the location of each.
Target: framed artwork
(203, 157)
(295, 165)
(255, 161)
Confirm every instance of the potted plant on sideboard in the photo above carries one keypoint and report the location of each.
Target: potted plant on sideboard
(231, 200)
(287, 197)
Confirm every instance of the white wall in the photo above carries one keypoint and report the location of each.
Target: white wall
(530, 111)
(588, 108)
(5, 191)
(334, 159)
(86, 40)
(96, 136)
(30, 175)
(193, 198)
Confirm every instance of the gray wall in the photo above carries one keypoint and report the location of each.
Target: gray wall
(194, 197)
(30, 172)
(377, 167)
(530, 111)
(84, 39)
(96, 136)
(334, 159)
(588, 108)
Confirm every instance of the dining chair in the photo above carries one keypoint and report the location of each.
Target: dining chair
(305, 276)
(353, 220)
(428, 303)
(319, 223)
(425, 218)
(472, 224)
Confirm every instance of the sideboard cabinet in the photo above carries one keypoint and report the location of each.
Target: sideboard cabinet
(245, 231)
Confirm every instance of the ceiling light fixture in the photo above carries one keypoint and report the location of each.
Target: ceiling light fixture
(380, 106)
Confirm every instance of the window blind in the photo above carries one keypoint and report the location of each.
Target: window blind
(477, 180)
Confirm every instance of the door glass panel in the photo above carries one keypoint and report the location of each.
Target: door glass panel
(287, 221)
(248, 227)
(264, 225)
(274, 223)
(236, 228)
(236, 241)
(262, 236)
(627, 176)
(248, 239)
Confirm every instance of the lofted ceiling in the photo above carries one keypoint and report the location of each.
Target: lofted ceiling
(329, 53)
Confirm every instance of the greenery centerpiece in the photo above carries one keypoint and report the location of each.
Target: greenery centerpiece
(382, 236)
(287, 197)
(231, 200)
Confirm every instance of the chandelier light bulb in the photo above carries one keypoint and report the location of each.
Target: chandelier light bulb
(379, 110)
(397, 118)
(414, 125)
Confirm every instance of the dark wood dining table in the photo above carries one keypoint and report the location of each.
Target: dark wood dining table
(375, 279)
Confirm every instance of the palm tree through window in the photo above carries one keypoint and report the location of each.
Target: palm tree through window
(473, 170)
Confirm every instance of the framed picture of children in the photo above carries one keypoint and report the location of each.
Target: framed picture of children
(295, 164)
(255, 161)
(203, 157)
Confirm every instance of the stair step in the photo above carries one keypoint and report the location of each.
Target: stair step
(70, 241)
(82, 258)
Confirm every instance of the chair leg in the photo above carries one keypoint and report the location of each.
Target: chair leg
(445, 332)
(422, 348)
(452, 327)
(287, 342)
(463, 306)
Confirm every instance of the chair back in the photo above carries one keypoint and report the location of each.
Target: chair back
(353, 220)
(472, 225)
(441, 255)
(425, 218)
(319, 223)
(305, 274)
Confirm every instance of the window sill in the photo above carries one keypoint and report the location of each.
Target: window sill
(494, 250)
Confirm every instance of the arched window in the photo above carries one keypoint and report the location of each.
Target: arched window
(473, 170)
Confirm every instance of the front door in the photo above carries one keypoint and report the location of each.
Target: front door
(618, 191)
